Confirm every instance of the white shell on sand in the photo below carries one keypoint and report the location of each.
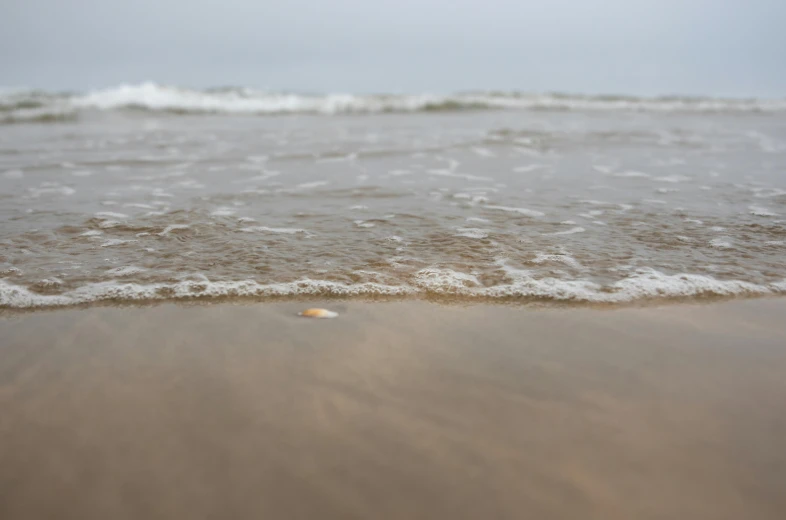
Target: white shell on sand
(318, 313)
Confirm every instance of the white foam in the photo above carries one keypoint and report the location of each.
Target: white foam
(248, 101)
(719, 243)
(173, 227)
(110, 215)
(223, 212)
(472, 232)
(109, 224)
(308, 185)
(364, 224)
(48, 188)
(265, 229)
(642, 284)
(50, 282)
(477, 219)
(483, 152)
(359, 207)
(16, 296)
(672, 178)
(522, 211)
(116, 242)
(542, 258)
(125, 271)
(444, 281)
(92, 233)
(572, 231)
(529, 168)
(761, 211)
(766, 193)
(13, 174)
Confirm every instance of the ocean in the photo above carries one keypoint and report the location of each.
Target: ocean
(145, 192)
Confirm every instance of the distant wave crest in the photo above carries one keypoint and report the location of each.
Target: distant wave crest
(25, 106)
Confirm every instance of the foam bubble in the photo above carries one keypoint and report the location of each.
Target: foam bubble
(109, 224)
(472, 232)
(642, 284)
(529, 168)
(125, 271)
(719, 243)
(446, 281)
(223, 212)
(265, 229)
(308, 185)
(15, 296)
(672, 178)
(761, 211)
(116, 242)
(542, 258)
(173, 227)
(483, 152)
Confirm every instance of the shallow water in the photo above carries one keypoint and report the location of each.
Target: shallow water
(585, 205)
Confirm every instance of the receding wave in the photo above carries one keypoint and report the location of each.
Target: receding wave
(22, 106)
(645, 285)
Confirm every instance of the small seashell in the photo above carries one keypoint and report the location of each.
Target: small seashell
(318, 313)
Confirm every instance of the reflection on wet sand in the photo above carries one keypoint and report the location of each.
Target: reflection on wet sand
(399, 410)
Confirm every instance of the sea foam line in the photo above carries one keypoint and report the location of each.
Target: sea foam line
(642, 285)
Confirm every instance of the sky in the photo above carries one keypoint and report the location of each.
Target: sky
(638, 47)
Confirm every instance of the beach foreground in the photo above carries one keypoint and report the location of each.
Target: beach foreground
(394, 410)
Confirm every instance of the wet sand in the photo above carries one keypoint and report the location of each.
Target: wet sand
(394, 410)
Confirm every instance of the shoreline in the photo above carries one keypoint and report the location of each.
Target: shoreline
(402, 409)
(438, 299)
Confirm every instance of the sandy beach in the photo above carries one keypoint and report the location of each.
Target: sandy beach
(394, 410)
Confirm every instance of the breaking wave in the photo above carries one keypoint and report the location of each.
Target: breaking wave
(27, 106)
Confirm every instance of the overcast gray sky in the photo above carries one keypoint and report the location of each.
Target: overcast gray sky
(718, 47)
